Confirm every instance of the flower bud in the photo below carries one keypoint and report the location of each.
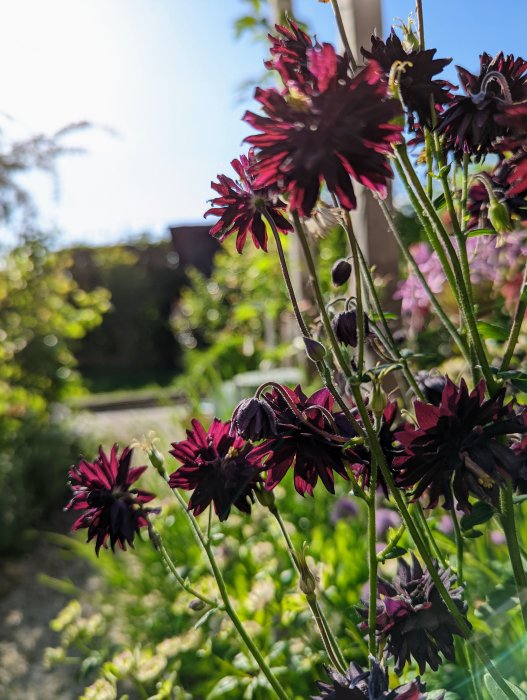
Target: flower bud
(340, 272)
(266, 498)
(196, 605)
(254, 419)
(345, 327)
(378, 400)
(308, 582)
(499, 216)
(314, 350)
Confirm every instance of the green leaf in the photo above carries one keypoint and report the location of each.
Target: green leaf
(205, 617)
(472, 534)
(497, 693)
(224, 685)
(491, 331)
(481, 513)
(519, 499)
(395, 552)
(480, 232)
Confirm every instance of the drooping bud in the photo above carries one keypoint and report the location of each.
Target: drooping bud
(431, 385)
(265, 498)
(196, 604)
(378, 400)
(345, 327)
(340, 272)
(499, 216)
(254, 419)
(314, 350)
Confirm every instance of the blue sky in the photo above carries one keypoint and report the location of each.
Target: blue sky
(164, 76)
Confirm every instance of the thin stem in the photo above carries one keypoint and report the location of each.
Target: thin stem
(464, 190)
(420, 23)
(372, 562)
(428, 534)
(447, 323)
(318, 296)
(358, 296)
(159, 545)
(231, 612)
(459, 546)
(392, 544)
(519, 315)
(508, 521)
(330, 643)
(344, 36)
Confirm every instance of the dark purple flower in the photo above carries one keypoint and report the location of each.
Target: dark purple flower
(309, 440)
(254, 419)
(412, 618)
(358, 684)
(416, 82)
(240, 206)
(289, 49)
(475, 120)
(114, 511)
(456, 448)
(362, 468)
(345, 327)
(340, 272)
(339, 131)
(215, 468)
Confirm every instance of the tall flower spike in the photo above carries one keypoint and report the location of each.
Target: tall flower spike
(340, 131)
(114, 511)
(417, 86)
(456, 450)
(412, 619)
(305, 444)
(215, 467)
(240, 206)
(475, 120)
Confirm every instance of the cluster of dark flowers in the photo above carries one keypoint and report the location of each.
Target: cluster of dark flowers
(327, 126)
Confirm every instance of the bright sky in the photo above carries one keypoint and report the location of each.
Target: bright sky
(164, 75)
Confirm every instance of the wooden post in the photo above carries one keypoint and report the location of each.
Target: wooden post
(362, 18)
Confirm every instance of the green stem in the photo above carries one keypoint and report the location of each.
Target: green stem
(519, 316)
(428, 534)
(358, 296)
(464, 190)
(227, 605)
(328, 638)
(344, 36)
(508, 521)
(372, 562)
(159, 545)
(381, 556)
(459, 546)
(420, 23)
(432, 297)
(318, 296)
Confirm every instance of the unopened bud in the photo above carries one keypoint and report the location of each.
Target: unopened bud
(156, 458)
(308, 582)
(196, 605)
(499, 216)
(340, 272)
(254, 419)
(378, 400)
(266, 498)
(314, 350)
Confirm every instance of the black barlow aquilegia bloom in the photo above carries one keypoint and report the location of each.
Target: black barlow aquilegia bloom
(215, 467)
(412, 619)
(240, 206)
(340, 272)
(345, 327)
(415, 78)
(358, 684)
(254, 419)
(474, 121)
(289, 55)
(114, 511)
(456, 448)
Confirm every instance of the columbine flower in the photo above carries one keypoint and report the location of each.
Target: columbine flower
(114, 511)
(215, 468)
(346, 329)
(254, 419)
(358, 684)
(289, 55)
(340, 272)
(412, 618)
(456, 448)
(509, 187)
(341, 130)
(305, 440)
(475, 120)
(240, 206)
(414, 77)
